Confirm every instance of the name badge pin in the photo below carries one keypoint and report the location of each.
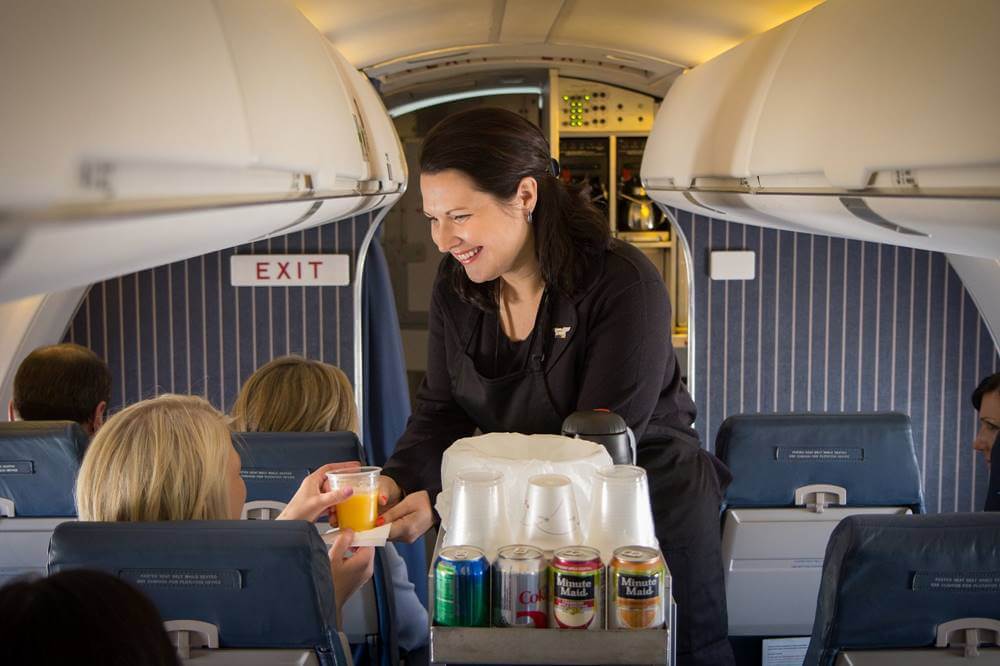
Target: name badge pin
(561, 331)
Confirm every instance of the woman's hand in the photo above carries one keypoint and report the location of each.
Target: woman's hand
(349, 573)
(389, 493)
(410, 518)
(314, 497)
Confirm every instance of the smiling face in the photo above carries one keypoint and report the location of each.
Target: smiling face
(490, 238)
(989, 424)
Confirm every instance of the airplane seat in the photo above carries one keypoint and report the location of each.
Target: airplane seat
(993, 492)
(229, 592)
(274, 464)
(909, 590)
(795, 476)
(39, 461)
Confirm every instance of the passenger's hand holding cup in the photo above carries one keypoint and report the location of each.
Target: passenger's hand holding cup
(550, 519)
(478, 514)
(359, 511)
(315, 497)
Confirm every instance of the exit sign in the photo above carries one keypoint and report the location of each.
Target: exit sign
(290, 270)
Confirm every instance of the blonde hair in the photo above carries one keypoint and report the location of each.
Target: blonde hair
(160, 459)
(295, 394)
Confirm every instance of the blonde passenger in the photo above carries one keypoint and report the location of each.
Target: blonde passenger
(157, 460)
(295, 394)
(172, 458)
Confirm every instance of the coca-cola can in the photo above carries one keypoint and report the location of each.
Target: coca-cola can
(519, 588)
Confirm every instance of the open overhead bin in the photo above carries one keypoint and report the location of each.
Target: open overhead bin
(870, 120)
(379, 138)
(136, 132)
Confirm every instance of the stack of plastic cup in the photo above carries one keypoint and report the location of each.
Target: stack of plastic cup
(620, 512)
(550, 518)
(478, 512)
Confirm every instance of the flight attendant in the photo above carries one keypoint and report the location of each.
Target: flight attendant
(536, 313)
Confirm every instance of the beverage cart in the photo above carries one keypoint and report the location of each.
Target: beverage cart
(527, 645)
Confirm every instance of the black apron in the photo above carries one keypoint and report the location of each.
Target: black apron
(514, 402)
(677, 467)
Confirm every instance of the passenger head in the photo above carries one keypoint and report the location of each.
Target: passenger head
(986, 400)
(489, 188)
(64, 382)
(295, 394)
(81, 617)
(169, 458)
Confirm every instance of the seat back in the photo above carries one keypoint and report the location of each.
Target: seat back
(795, 476)
(238, 591)
(894, 587)
(274, 464)
(39, 461)
(993, 492)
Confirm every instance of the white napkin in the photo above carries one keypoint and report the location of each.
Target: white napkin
(373, 537)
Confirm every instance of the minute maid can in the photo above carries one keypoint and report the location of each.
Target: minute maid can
(461, 588)
(576, 588)
(637, 589)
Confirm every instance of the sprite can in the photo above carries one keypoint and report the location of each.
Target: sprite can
(461, 588)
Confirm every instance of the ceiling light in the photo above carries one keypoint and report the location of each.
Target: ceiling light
(410, 107)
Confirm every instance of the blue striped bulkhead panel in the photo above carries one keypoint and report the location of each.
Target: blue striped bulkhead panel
(842, 325)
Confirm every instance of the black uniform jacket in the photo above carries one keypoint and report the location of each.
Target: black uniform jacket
(616, 354)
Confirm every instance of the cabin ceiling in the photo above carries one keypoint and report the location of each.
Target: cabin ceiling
(426, 47)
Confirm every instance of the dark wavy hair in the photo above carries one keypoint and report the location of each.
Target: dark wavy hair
(81, 617)
(497, 148)
(990, 384)
(64, 382)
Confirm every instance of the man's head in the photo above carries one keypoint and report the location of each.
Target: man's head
(64, 382)
(986, 400)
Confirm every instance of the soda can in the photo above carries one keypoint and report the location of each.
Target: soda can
(520, 578)
(461, 588)
(576, 588)
(637, 577)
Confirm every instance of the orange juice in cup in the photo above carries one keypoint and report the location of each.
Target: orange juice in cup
(359, 511)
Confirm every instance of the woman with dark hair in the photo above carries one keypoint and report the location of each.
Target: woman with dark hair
(81, 617)
(537, 313)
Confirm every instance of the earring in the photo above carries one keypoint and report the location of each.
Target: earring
(529, 217)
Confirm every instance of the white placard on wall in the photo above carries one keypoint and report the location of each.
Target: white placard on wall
(290, 270)
(731, 265)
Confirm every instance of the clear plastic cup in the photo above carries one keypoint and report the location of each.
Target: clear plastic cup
(359, 511)
(550, 518)
(478, 514)
(620, 510)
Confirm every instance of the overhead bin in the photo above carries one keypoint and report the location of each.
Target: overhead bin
(379, 143)
(387, 158)
(147, 132)
(871, 120)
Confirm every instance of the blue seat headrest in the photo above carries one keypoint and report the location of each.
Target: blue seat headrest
(889, 581)
(770, 455)
(39, 461)
(993, 493)
(264, 584)
(274, 463)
